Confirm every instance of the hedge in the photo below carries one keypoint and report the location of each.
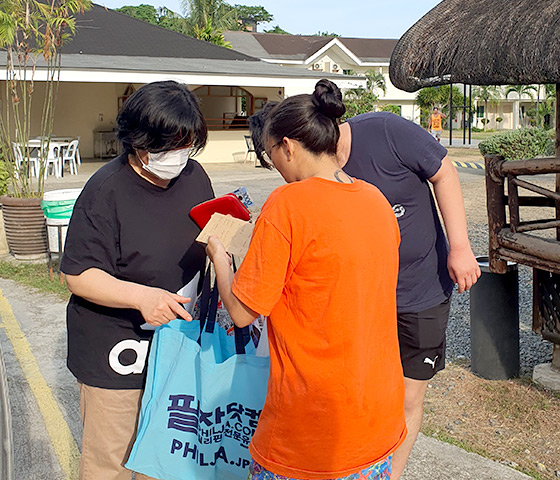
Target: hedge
(519, 144)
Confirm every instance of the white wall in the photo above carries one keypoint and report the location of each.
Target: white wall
(80, 109)
(224, 146)
(213, 108)
(392, 95)
(273, 94)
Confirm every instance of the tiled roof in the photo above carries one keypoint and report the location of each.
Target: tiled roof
(368, 49)
(196, 66)
(277, 44)
(101, 31)
(300, 47)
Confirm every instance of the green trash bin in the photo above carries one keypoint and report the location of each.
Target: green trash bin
(57, 207)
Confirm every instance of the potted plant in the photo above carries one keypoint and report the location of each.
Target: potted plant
(32, 34)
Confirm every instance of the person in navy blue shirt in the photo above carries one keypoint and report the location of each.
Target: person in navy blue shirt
(403, 160)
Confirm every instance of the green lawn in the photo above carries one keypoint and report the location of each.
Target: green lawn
(464, 154)
(34, 275)
(474, 135)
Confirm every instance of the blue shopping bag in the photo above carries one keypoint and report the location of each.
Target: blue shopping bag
(204, 393)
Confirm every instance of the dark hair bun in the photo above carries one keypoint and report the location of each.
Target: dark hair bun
(328, 99)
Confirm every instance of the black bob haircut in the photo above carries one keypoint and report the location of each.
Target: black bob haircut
(161, 116)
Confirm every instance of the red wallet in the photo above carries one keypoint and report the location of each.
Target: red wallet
(228, 204)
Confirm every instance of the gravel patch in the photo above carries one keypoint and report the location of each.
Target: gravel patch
(533, 349)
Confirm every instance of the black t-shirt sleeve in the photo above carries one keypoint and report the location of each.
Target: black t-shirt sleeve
(90, 243)
(414, 147)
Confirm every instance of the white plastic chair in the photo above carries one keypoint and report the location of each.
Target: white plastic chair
(18, 157)
(33, 161)
(250, 149)
(70, 155)
(78, 158)
(54, 160)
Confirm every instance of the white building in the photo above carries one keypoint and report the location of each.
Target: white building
(338, 55)
(341, 55)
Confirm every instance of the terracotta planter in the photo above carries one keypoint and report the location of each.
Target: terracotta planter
(24, 224)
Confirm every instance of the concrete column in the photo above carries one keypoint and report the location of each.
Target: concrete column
(516, 114)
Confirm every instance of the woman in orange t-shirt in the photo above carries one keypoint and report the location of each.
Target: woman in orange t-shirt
(322, 265)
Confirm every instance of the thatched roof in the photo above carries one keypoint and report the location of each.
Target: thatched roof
(480, 42)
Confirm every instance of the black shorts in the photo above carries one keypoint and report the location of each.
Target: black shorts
(422, 341)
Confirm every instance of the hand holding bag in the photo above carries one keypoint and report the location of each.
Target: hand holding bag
(204, 393)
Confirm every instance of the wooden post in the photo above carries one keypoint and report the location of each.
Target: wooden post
(537, 317)
(496, 210)
(513, 204)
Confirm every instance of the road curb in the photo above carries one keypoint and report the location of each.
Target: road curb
(473, 165)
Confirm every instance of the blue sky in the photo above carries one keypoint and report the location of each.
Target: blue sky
(349, 18)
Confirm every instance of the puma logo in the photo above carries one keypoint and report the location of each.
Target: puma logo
(431, 362)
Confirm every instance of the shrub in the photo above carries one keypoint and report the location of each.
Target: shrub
(396, 109)
(519, 144)
(357, 101)
(5, 177)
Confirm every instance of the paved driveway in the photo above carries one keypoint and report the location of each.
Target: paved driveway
(44, 395)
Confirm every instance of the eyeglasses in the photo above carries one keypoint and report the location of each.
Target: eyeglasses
(267, 156)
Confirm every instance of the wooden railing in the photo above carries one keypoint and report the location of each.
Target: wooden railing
(512, 240)
(237, 122)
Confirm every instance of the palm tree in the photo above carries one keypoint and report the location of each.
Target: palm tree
(546, 107)
(375, 80)
(428, 98)
(487, 93)
(521, 90)
(210, 34)
(207, 19)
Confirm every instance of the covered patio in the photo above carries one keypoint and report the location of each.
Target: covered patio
(113, 55)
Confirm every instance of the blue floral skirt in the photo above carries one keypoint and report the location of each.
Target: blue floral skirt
(377, 471)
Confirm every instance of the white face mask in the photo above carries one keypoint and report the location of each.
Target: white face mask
(167, 165)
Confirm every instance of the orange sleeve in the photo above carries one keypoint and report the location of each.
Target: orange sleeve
(260, 280)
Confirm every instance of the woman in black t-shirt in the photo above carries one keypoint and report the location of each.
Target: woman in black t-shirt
(132, 263)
